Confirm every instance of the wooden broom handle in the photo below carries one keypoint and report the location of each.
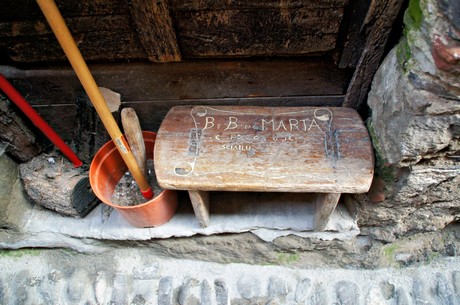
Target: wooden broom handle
(57, 24)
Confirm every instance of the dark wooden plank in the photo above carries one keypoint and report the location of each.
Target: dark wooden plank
(379, 22)
(324, 207)
(198, 5)
(155, 29)
(27, 9)
(77, 25)
(14, 130)
(94, 47)
(353, 36)
(234, 148)
(79, 123)
(224, 79)
(200, 203)
(62, 118)
(283, 79)
(256, 32)
(152, 89)
(98, 38)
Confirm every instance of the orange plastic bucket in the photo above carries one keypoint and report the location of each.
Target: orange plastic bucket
(106, 170)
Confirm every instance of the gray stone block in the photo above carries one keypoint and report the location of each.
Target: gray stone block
(277, 287)
(420, 292)
(206, 293)
(401, 297)
(122, 287)
(249, 286)
(185, 296)
(444, 292)
(165, 291)
(222, 297)
(388, 290)
(302, 290)
(456, 281)
(347, 293)
(319, 295)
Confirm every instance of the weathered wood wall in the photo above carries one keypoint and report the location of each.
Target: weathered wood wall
(152, 89)
(248, 28)
(164, 30)
(232, 52)
(102, 30)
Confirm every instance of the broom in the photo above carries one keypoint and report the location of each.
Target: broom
(57, 24)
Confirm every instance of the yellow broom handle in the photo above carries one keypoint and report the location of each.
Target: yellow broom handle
(57, 24)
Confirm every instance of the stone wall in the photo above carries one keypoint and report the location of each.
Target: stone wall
(415, 127)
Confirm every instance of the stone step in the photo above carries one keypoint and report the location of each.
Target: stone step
(267, 215)
(137, 276)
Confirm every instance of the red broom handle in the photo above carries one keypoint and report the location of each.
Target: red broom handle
(38, 121)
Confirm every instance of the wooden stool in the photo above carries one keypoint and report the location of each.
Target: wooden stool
(320, 150)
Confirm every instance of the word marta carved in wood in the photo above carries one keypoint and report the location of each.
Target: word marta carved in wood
(239, 131)
(266, 124)
(260, 148)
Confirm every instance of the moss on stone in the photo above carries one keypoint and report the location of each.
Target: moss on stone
(284, 258)
(385, 172)
(20, 253)
(403, 53)
(389, 251)
(413, 16)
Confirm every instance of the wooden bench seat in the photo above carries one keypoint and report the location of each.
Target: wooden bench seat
(322, 150)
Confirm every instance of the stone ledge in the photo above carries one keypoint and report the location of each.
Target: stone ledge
(283, 214)
(138, 276)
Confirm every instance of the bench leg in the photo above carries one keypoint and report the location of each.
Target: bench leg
(200, 203)
(324, 206)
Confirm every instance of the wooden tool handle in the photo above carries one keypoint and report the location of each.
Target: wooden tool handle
(57, 24)
(133, 132)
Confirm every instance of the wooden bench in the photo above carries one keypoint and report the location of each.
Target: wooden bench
(264, 149)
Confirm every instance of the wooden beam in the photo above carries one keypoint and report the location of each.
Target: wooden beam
(26, 10)
(152, 89)
(218, 5)
(200, 203)
(232, 28)
(324, 206)
(352, 38)
(379, 22)
(155, 29)
(22, 144)
(228, 80)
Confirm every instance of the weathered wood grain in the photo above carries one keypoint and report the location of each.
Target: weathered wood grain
(152, 89)
(53, 184)
(78, 25)
(269, 32)
(200, 203)
(22, 141)
(352, 38)
(98, 38)
(188, 80)
(304, 149)
(155, 29)
(202, 28)
(26, 9)
(324, 207)
(378, 23)
(198, 5)
(133, 132)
